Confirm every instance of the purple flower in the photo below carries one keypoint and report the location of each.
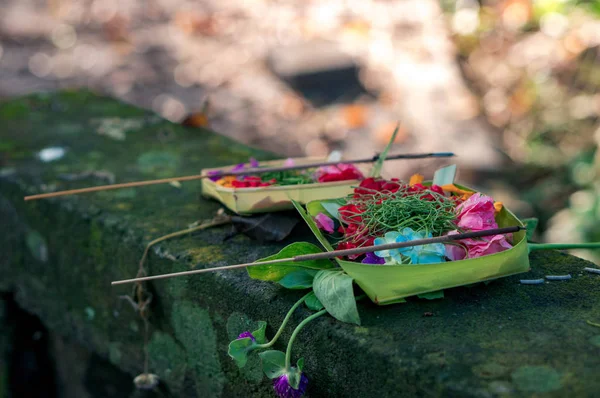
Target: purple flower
(239, 167)
(283, 389)
(371, 258)
(215, 175)
(253, 163)
(247, 334)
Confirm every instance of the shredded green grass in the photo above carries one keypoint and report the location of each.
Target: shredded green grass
(385, 212)
(289, 177)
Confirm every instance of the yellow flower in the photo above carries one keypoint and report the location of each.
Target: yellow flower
(498, 206)
(226, 181)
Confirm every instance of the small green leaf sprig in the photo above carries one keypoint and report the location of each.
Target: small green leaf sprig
(331, 292)
(289, 381)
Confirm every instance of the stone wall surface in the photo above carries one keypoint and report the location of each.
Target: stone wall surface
(58, 257)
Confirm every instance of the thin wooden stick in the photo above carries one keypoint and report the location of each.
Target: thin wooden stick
(214, 223)
(336, 253)
(220, 174)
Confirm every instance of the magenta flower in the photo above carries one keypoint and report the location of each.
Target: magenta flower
(472, 248)
(247, 334)
(283, 389)
(289, 162)
(253, 163)
(476, 213)
(323, 222)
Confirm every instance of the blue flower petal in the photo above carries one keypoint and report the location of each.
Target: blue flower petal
(407, 232)
(431, 259)
(438, 248)
(379, 241)
(396, 256)
(391, 236)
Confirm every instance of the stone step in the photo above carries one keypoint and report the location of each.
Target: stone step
(59, 256)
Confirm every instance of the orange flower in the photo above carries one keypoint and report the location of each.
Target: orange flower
(454, 189)
(415, 179)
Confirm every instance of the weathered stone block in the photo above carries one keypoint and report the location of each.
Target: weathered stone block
(59, 255)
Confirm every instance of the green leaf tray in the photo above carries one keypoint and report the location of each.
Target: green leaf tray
(389, 284)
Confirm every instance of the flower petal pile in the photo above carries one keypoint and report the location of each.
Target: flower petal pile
(340, 172)
(426, 254)
(386, 211)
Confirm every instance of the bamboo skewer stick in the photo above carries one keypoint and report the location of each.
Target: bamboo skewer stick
(335, 253)
(260, 170)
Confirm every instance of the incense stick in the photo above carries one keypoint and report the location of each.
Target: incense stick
(335, 253)
(219, 174)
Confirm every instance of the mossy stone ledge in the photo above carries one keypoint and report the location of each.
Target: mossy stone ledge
(58, 256)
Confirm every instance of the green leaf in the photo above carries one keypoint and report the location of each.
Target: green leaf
(294, 378)
(444, 176)
(273, 363)
(432, 295)
(313, 303)
(334, 290)
(302, 279)
(531, 224)
(276, 272)
(328, 207)
(259, 334)
(376, 170)
(239, 349)
(313, 227)
(332, 208)
(300, 365)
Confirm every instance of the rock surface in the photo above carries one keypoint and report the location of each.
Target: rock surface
(59, 256)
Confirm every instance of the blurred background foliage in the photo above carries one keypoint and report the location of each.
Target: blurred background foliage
(535, 66)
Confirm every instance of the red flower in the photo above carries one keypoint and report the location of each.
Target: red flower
(341, 172)
(418, 188)
(437, 189)
(348, 245)
(350, 214)
(345, 245)
(369, 185)
(351, 229)
(367, 241)
(391, 186)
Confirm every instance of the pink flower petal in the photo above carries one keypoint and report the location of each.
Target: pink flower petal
(472, 248)
(477, 213)
(456, 251)
(323, 222)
